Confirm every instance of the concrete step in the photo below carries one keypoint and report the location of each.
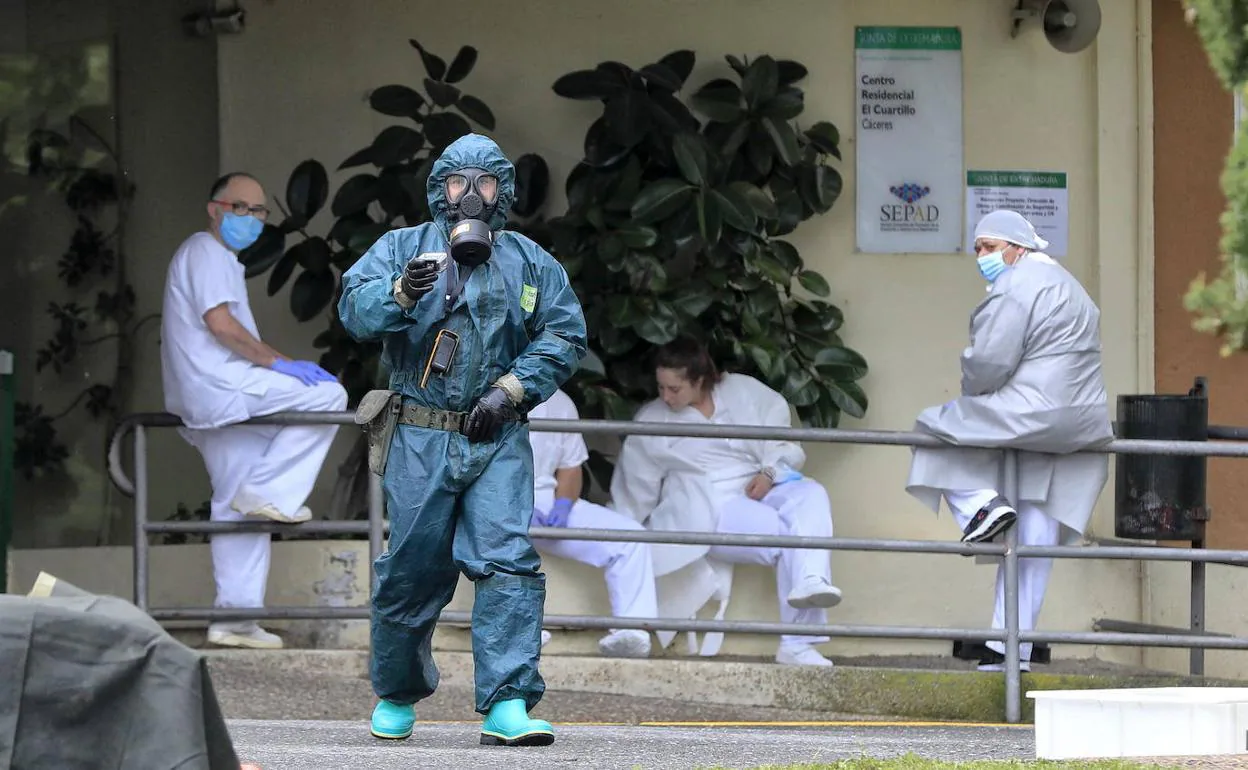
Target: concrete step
(907, 686)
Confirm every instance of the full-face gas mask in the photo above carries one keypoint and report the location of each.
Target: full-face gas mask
(472, 197)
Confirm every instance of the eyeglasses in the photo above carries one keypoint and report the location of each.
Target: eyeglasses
(243, 209)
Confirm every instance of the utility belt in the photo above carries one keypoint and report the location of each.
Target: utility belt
(381, 411)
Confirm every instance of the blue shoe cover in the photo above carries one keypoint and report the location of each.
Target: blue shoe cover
(508, 724)
(393, 721)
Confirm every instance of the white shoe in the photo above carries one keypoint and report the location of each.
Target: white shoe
(626, 643)
(250, 504)
(545, 637)
(814, 592)
(803, 655)
(251, 636)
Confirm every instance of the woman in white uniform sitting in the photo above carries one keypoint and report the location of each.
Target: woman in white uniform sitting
(726, 486)
(557, 479)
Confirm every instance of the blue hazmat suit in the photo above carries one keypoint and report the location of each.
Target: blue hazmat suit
(456, 506)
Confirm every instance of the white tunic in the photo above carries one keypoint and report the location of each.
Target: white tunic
(203, 379)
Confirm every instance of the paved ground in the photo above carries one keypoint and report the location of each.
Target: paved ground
(454, 746)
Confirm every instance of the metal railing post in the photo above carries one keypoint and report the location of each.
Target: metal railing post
(140, 518)
(1013, 668)
(376, 525)
(8, 460)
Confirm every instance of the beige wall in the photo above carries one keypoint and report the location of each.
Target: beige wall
(295, 84)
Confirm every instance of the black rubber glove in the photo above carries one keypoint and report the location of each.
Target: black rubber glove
(418, 279)
(488, 415)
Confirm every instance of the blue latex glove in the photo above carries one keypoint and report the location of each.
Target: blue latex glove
(559, 513)
(305, 371)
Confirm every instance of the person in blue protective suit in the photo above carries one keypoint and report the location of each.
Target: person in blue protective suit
(472, 343)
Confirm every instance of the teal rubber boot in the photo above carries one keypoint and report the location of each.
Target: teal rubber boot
(393, 721)
(508, 724)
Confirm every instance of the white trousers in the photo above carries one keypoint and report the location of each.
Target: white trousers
(1034, 528)
(627, 568)
(278, 464)
(796, 508)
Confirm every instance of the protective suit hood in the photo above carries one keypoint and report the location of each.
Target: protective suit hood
(472, 151)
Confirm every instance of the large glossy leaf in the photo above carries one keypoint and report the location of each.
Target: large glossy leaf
(661, 199)
(476, 111)
(761, 204)
(601, 148)
(532, 183)
(693, 301)
(787, 255)
(435, 66)
(842, 362)
(588, 84)
(660, 76)
(826, 138)
(307, 189)
(660, 326)
(782, 136)
(392, 192)
(760, 83)
(264, 253)
(735, 209)
(790, 71)
(761, 358)
(720, 101)
(363, 239)
(628, 116)
(786, 105)
(690, 155)
(814, 283)
(311, 294)
(710, 218)
(312, 254)
(282, 271)
(442, 128)
(355, 195)
(827, 187)
(342, 230)
(637, 236)
(396, 100)
(395, 144)
(681, 63)
(848, 397)
(442, 94)
(358, 158)
(592, 363)
(462, 64)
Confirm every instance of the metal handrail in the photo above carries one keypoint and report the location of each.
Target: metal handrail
(376, 527)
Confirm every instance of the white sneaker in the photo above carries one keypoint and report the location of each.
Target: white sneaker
(251, 636)
(545, 637)
(626, 643)
(250, 504)
(814, 592)
(803, 655)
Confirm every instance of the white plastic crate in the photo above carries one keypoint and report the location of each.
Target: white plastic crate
(1158, 721)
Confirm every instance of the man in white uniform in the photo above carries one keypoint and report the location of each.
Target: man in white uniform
(217, 372)
(557, 475)
(1031, 380)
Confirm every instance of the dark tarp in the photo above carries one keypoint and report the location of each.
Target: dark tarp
(93, 682)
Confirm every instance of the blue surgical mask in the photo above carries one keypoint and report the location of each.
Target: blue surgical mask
(991, 265)
(239, 232)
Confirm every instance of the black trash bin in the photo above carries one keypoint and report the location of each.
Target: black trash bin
(1161, 497)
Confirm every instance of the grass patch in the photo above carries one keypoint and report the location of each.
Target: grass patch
(912, 762)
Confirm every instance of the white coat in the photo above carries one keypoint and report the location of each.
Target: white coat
(680, 484)
(1031, 379)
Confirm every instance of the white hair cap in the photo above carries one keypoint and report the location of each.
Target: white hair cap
(1010, 226)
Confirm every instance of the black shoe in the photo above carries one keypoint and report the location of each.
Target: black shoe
(994, 518)
(992, 660)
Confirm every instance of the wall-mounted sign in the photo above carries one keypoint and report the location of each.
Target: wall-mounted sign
(1040, 196)
(909, 139)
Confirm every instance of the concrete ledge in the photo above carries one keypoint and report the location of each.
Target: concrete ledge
(942, 695)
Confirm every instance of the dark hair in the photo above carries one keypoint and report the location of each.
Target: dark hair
(688, 354)
(220, 185)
